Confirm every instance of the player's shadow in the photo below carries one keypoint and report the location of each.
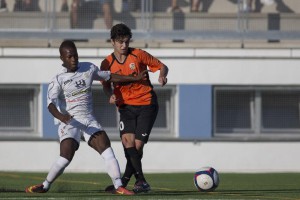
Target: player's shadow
(174, 192)
(258, 192)
(223, 192)
(9, 190)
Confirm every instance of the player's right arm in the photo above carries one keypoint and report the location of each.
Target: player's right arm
(53, 92)
(107, 87)
(65, 118)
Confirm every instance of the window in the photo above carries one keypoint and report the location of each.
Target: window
(108, 115)
(234, 111)
(18, 105)
(280, 110)
(257, 112)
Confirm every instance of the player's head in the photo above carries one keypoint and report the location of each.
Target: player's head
(120, 37)
(120, 31)
(69, 55)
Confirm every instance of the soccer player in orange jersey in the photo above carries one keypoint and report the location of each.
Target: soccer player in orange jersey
(136, 102)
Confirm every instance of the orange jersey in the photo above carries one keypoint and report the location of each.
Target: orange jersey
(136, 93)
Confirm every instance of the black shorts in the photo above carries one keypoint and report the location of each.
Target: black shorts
(138, 120)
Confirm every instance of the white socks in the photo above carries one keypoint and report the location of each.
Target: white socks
(112, 167)
(57, 169)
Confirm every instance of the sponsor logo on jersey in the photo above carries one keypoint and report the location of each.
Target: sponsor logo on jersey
(86, 90)
(68, 81)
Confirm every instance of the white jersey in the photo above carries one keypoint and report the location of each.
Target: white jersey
(71, 91)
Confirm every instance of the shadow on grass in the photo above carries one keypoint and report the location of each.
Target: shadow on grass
(157, 193)
(272, 191)
(8, 190)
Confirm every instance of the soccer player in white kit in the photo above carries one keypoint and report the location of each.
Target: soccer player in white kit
(69, 100)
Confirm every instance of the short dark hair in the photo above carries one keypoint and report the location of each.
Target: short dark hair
(120, 31)
(67, 44)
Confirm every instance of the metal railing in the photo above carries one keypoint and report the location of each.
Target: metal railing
(150, 24)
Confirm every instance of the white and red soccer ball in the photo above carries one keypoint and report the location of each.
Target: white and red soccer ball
(206, 179)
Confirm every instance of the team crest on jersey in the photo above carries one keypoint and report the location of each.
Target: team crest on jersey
(80, 84)
(132, 66)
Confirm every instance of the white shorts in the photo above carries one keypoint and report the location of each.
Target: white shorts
(78, 127)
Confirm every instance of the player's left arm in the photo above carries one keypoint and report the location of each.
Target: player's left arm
(162, 79)
(154, 64)
(103, 75)
(116, 78)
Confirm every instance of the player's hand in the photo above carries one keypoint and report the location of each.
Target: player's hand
(142, 75)
(66, 118)
(112, 99)
(162, 80)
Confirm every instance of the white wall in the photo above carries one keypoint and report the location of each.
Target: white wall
(160, 156)
(187, 66)
(194, 66)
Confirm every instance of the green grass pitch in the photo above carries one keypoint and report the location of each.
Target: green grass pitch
(264, 186)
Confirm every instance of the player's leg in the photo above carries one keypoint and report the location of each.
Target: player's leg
(134, 164)
(67, 150)
(128, 123)
(129, 169)
(69, 143)
(101, 143)
(145, 121)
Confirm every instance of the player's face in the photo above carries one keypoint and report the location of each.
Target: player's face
(121, 45)
(69, 56)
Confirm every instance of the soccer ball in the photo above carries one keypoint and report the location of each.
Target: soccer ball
(206, 179)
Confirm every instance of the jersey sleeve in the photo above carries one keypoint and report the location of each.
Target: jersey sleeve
(152, 62)
(105, 65)
(104, 75)
(53, 92)
(101, 75)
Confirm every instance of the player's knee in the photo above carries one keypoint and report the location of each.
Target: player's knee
(128, 141)
(67, 157)
(99, 141)
(100, 147)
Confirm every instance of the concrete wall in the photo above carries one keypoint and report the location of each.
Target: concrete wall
(190, 69)
(160, 157)
(193, 71)
(187, 66)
